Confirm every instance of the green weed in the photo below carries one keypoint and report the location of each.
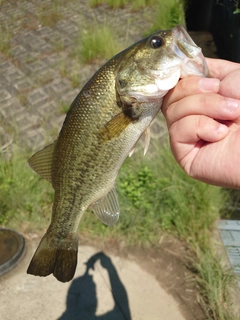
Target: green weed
(167, 14)
(95, 3)
(50, 14)
(96, 42)
(215, 284)
(5, 37)
(25, 199)
(112, 3)
(64, 108)
(135, 4)
(70, 73)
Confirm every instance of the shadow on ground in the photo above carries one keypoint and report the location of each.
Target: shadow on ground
(82, 298)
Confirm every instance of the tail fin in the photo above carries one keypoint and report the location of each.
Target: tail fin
(55, 256)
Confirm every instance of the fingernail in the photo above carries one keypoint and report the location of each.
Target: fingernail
(209, 84)
(232, 104)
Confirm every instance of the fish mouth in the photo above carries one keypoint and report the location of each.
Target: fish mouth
(185, 43)
(193, 61)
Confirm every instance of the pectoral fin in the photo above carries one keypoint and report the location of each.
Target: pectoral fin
(114, 127)
(107, 208)
(41, 162)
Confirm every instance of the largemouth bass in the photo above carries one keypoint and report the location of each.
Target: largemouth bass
(103, 124)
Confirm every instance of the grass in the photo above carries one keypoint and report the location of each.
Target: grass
(90, 46)
(214, 285)
(167, 14)
(51, 13)
(25, 199)
(5, 37)
(96, 42)
(114, 4)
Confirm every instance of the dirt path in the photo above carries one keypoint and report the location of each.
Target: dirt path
(124, 284)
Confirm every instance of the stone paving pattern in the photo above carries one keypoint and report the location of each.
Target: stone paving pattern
(37, 68)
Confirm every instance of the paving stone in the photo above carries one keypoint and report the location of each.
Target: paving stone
(70, 96)
(55, 59)
(59, 121)
(26, 121)
(36, 66)
(54, 36)
(16, 50)
(60, 86)
(13, 75)
(5, 66)
(45, 76)
(68, 28)
(34, 139)
(2, 59)
(4, 95)
(5, 139)
(15, 13)
(49, 108)
(44, 31)
(26, 38)
(37, 97)
(10, 108)
(24, 58)
(30, 6)
(37, 43)
(22, 85)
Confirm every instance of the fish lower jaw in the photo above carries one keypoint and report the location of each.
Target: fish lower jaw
(198, 67)
(157, 90)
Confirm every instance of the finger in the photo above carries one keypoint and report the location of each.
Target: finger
(187, 133)
(229, 85)
(209, 104)
(221, 68)
(189, 86)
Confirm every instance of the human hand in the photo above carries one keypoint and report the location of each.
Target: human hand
(203, 118)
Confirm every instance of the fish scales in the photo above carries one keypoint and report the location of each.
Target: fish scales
(103, 124)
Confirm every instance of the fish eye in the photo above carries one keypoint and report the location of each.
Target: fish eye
(156, 42)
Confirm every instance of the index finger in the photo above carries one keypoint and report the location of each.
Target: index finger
(189, 86)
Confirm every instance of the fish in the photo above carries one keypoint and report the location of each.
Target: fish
(103, 124)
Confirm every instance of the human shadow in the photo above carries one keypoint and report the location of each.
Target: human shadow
(82, 299)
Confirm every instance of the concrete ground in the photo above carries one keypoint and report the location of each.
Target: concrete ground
(105, 286)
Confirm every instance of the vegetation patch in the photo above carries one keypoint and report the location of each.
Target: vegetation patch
(96, 43)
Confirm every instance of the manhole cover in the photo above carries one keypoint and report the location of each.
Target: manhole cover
(11, 249)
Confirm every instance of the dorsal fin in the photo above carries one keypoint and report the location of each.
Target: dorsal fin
(107, 208)
(41, 162)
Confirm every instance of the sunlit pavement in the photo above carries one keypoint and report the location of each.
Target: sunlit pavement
(104, 287)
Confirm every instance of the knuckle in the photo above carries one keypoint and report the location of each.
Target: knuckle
(205, 99)
(169, 113)
(200, 121)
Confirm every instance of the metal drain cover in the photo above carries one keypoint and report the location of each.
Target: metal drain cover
(230, 235)
(12, 246)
